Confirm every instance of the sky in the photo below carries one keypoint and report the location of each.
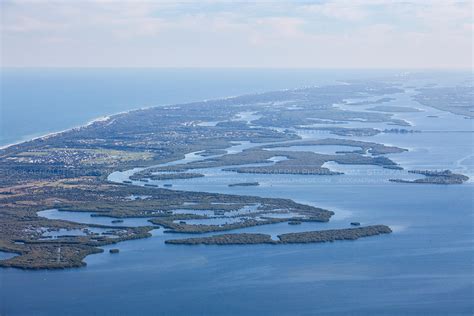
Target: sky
(385, 34)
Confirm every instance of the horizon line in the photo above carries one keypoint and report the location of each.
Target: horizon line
(471, 69)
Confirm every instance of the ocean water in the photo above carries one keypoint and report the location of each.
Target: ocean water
(36, 101)
(425, 267)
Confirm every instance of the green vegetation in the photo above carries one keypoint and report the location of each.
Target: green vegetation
(393, 108)
(291, 238)
(295, 162)
(365, 147)
(435, 177)
(457, 100)
(344, 131)
(21, 230)
(68, 171)
(244, 184)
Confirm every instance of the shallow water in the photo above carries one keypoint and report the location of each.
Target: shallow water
(211, 221)
(6, 255)
(86, 218)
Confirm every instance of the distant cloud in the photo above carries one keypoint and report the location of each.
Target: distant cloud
(342, 10)
(336, 34)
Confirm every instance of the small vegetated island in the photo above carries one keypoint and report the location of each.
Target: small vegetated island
(244, 184)
(435, 177)
(393, 108)
(290, 238)
(72, 171)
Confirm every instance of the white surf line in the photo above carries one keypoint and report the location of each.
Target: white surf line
(52, 134)
(177, 105)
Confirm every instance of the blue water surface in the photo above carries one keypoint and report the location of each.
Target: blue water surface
(425, 267)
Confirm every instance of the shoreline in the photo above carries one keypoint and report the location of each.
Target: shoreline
(102, 118)
(98, 119)
(51, 134)
(88, 187)
(109, 116)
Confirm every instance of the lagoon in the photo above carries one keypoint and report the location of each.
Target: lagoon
(424, 266)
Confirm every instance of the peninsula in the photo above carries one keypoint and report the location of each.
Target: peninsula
(72, 171)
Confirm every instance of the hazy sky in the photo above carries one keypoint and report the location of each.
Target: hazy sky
(317, 34)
